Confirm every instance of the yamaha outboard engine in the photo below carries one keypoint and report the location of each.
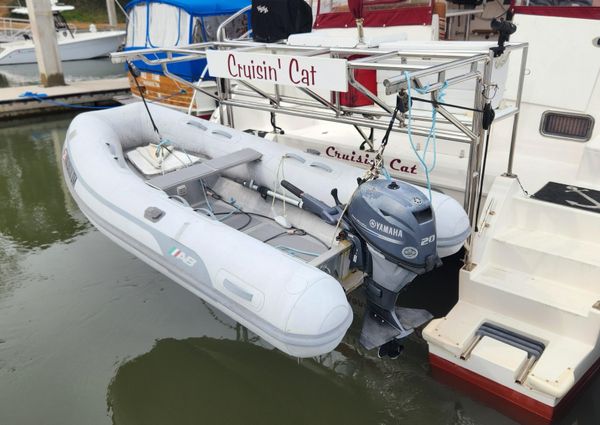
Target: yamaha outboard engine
(392, 228)
(396, 225)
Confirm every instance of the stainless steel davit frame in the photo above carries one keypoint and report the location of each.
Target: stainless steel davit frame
(465, 65)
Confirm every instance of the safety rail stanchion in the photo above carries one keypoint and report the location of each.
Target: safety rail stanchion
(513, 139)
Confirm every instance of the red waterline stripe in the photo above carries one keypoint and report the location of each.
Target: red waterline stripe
(509, 402)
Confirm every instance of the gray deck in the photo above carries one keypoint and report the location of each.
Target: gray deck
(79, 93)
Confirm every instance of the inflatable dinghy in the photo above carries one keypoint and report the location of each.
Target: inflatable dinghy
(251, 226)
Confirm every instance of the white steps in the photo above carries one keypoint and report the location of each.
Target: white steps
(532, 214)
(549, 256)
(529, 299)
(454, 332)
(542, 266)
(550, 294)
(536, 273)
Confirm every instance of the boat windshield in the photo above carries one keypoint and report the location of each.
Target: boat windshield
(205, 27)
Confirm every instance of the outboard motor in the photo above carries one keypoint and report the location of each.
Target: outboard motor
(392, 228)
(396, 224)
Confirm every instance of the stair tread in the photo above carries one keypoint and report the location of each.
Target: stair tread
(553, 245)
(545, 291)
(558, 207)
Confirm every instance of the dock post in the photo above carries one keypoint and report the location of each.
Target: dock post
(112, 13)
(46, 46)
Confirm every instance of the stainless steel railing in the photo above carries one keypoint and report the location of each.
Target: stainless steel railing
(479, 66)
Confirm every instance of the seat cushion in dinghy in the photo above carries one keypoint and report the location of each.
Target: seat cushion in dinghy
(147, 162)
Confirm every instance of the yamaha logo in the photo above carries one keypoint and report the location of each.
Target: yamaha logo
(410, 252)
(262, 9)
(384, 228)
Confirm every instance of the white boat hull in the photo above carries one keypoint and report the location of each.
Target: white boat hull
(82, 46)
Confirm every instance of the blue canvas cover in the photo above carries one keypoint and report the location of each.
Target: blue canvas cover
(199, 7)
(198, 10)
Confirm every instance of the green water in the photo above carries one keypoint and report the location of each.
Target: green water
(89, 69)
(91, 335)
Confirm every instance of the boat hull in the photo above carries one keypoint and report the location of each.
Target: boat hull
(83, 46)
(516, 405)
(165, 91)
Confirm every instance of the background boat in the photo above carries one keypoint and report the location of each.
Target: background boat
(72, 44)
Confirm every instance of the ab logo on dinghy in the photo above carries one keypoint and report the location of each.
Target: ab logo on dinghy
(570, 196)
(188, 260)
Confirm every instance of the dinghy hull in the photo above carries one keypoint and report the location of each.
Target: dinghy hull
(296, 308)
(289, 302)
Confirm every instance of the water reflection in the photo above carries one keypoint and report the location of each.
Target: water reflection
(91, 69)
(219, 381)
(212, 381)
(35, 209)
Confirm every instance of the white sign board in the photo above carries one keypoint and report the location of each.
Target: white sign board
(301, 71)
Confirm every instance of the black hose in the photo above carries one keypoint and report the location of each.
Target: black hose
(134, 73)
(485, 153)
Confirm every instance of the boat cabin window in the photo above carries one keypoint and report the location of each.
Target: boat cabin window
(157, 25)
(205, 27)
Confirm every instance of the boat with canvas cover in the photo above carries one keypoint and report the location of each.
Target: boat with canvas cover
(218, 211)
(178, 23)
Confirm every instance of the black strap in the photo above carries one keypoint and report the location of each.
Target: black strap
(435, 103)
(134, 74)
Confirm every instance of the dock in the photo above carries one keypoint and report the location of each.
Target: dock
(23, 101)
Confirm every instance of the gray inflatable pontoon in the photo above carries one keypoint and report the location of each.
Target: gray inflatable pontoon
(206, 206)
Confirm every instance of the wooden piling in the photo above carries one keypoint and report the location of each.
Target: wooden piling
(46, 45)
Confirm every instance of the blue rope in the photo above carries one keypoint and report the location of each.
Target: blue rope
(432, 131)
(163, 142)
(385, 173)
(43, 97)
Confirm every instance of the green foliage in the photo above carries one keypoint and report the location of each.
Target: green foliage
(87, 11)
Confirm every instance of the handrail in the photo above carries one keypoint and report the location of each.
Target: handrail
(405, 64)
(14, 27)
(221, 28)
(122, 9)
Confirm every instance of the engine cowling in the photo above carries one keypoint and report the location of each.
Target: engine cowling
(397, 220)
